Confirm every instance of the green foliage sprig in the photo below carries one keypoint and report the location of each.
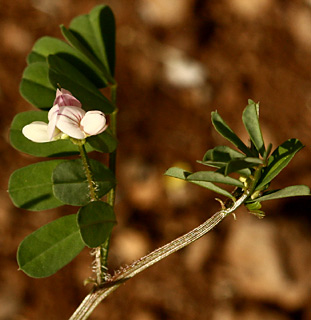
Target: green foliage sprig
(83, 65)
(254, 164)
(255, 168)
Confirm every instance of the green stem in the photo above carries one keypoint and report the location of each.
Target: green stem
(113, 155)
(104, 248)
(100, 253)
(99, 269)
(87, 170)
(99, 293)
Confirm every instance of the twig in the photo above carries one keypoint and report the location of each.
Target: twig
(101, 292)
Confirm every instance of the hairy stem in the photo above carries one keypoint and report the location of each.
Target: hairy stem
(98, 267)
(87, 171)
(101, 292)
(113, 155)
(102, 251)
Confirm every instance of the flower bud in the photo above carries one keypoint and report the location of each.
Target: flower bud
(93, 123)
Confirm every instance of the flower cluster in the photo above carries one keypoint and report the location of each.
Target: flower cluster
(66, 119)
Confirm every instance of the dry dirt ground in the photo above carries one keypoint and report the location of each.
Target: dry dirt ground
(177, 60)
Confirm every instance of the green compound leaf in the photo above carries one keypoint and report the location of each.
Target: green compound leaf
(223, 129)
(46, 46)
(210, 176)
(81, 46)
(222, 154)
(31, 187)
(57, 148)
(94, 34)
(279, 159)
(70, 184)
(67, 76)
(103, 24)
(292, 191)
(213, 164)
(183, 174)
(50, 248)
(238, 165)
(222, 166)
(35, 57)
(96, 221)
(178, 173)
(104, 142)
(81, 36)
(35, 86)
(251, 122)
(212, 187)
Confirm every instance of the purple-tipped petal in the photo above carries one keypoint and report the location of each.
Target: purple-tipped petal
(65, 98)
(59, 92)
(93, 123)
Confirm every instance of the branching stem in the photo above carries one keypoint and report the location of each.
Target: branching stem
(101, 292)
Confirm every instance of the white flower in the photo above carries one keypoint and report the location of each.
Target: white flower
(93, 123)
(66, 119)
(69, 120)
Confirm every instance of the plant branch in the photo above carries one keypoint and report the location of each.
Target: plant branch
(113, 155)
(101, 292)
(102, 251)
(98, 253)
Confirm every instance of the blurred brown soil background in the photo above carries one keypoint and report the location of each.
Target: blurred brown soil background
(177, 60)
